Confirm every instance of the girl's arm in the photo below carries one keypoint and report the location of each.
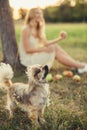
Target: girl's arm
(62, 36)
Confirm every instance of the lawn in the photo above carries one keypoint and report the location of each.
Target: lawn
(68, 108)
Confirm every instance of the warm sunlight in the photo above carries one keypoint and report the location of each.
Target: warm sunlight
(17, 4)
(16, 14)
(31, 3)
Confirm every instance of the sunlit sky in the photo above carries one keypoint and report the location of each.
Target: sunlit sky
(16, 4)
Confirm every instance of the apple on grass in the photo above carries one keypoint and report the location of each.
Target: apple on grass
(76, 78)
(68, 73)
(57, 77)
(49, 77)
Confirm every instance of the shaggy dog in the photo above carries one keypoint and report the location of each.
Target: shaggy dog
(32, 97)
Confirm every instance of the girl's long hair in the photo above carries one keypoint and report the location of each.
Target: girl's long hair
(40, 27)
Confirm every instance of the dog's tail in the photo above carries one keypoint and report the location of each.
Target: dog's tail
(6, 74)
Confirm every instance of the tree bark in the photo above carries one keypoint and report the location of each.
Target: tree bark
(7, 33)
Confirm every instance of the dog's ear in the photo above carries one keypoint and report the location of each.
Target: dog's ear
(36, 71)
(45, 67)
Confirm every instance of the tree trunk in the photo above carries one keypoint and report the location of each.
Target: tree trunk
(7, 33)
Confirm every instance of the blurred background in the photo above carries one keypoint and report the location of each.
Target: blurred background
(54, 10)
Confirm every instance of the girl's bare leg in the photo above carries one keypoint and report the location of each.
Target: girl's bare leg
(65, 59)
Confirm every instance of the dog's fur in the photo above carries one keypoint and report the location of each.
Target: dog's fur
(32, 97)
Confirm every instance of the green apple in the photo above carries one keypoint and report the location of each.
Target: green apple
(49, 77)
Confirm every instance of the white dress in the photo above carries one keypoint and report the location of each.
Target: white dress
(42, 58)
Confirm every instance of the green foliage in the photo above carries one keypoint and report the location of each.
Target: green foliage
(66, 12)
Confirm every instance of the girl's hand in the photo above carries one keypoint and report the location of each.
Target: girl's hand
(63, 34)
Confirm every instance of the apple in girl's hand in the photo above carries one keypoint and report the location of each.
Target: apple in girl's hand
(76, 78)
(63, 34)
(57, 77)
(68, 73)
(49, 77)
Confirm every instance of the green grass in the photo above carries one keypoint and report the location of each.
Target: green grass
(68, 109)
